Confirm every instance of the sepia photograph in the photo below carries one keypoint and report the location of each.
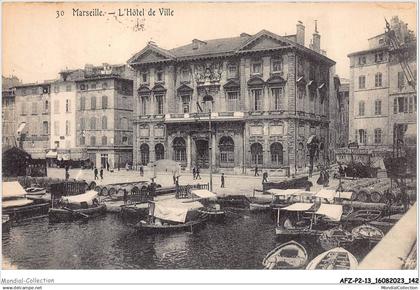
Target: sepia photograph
(210, 136)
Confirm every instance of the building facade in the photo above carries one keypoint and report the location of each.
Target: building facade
(382, 103)
(342, 121)
(266, 95)
(8, 118)
(104, 100)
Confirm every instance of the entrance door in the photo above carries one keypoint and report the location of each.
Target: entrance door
(202, 158)
(104, 159)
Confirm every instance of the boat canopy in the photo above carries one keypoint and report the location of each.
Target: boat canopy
(173, 209)
(203, 193)
(16, 203)
(77, 199)
(332, 211)
(330, 194)
(12, 190)
(299, 206)
(285, 192)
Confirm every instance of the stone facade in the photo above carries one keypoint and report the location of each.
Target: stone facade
(8, 118)
(266, 94)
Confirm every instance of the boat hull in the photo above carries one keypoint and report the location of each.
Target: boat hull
(334, 259)
(212, 215)
(62, 215)
(146, 228)
(6, 224)
(290, 255)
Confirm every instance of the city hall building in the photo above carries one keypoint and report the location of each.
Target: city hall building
(263, 96)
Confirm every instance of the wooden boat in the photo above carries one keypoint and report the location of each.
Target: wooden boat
(363, 216)
(367, 232)
(6, 223)
(257, 207)
(65, 214)
(290, 255)
(147, 227)
(334, 259)
(212, 214)
(334, 238)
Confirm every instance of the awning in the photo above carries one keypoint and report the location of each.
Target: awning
(16, 203)
(203, 193)
(299, 206)
(21, 127)
(51, 154)
(77, 199)
(63, 156)
(326, 193)
(285, 192)
(12, 189)
(344, 195)
(332, 211)
(173, 209)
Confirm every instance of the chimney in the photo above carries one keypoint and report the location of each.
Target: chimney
(196, 43)
(243, 34)
(152, 43)
(316, 39)
(300, 33)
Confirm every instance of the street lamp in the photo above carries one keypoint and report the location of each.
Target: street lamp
(208, 98)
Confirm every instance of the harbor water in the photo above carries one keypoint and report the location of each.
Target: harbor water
(107, 242)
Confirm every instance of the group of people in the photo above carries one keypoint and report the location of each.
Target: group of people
(101, 173)
(196, 172)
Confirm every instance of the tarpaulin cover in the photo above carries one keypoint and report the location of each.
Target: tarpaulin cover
(173, 209)
(285, 192)
(330, 194)
(77, 199)
(16, 202)
(332, 211)
(12, 189)
(299, 206)
(203, 193)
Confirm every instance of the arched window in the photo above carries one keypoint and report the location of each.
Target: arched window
(179, 149)
(159, 151)
(256, 153)
(144, 154)
(104, 123)
(104, 102)
(301, 155)
(227, 155)
(93, 123)
(276, 150)
(104, 140)
(93, 103)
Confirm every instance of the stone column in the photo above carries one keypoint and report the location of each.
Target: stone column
(188, 153)
(213, 149)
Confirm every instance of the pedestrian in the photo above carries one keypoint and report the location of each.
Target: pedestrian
(95, 171)
(256, 171)
(222, 180)
(174, 177)
(141, 171)
(326, 178)
(177, 181)
(127, 167)
(197, 173)
(194, 172)
(107, 165)
(118, 164)
(101, 173)
(265, 177)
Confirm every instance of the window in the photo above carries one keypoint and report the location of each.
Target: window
(68, 106)
(82, 103)
(361, 108)
(93, 86)
(277, 95)
(233, 103)
(159, 104)
(92, 140)
(256, 67)
(144, 77)
(185, 103)
(143, 105)
(104, 102)
(124, 124)
(83, 87)
(179, 149)
(104, 85)
(276, 150)
(144, 154)
(82, 140)
(34, 108)
(56, 128)
(401, 105)
(401, 79)
(378, 107)
(362, 136)
(227, 153)
(46, 106)
(276, 65)
(256, 154)
(378, 136)
(362, 60)
(45, 128)
(379, 57)
(68, 128)
(93, 103)
(257, 99)
(82, 124)
(232, 71)
(378, 80)
(124, 140)
(185, 74)
(159, 74)
(362, 82)
(93, 123)
(411, 105)
(104, 123)
(68, 88)
(104, 140)
(56, 107)
(159, 151)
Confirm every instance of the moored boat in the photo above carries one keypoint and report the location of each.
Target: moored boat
(147, 227)
(334, 259)
(335, 237)
(363, 216)
(211, 210)
(5, 223)
(367, 232)
(290, 255)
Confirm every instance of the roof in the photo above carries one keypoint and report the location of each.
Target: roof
(12, 189)
(372, 50)
(299, 206)
(332, 211)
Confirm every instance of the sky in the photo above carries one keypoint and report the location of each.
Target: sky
(37, 44)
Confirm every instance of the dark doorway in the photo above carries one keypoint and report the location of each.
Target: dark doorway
(202, 157)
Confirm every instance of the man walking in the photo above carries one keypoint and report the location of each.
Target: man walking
(256, 171)
(265, 177)
(174, 177)
(222, 180)
(194, 172)
(197, 173)
(141, 171)
(107, 166)
(95, 172)
(101, 173)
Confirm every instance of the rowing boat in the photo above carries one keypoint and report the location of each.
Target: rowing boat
(147, 227)
(290, 255)
(367, 232)
(334, 259)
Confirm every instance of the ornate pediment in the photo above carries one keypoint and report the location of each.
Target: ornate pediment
(256, 82)
(231, 85)
(143, 90)
(276, 80)
(264, 40)
(151, 54)
(158, 89)
(184, 89)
